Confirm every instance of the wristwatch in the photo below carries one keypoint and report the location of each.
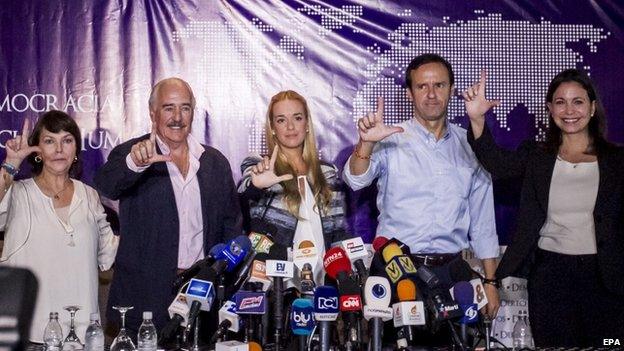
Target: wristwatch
(11, 170)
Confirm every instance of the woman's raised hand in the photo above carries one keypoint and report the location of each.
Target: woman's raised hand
(263, 173)
(17, 149)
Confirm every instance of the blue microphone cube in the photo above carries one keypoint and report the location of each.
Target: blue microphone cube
(301, 318)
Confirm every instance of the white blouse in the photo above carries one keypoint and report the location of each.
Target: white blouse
(64, 256)
(569, 227)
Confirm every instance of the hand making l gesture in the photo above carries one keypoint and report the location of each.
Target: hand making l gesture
(263, 173)
(144, 152)
(372, 127)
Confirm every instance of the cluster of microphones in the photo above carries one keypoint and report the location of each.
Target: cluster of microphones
(266, 297)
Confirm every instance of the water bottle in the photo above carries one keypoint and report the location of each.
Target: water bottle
(53, 334)
(522, 337)
(94, 338)
(147, 337)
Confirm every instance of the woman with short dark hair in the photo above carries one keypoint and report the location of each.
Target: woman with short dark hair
(54, 225)
(569, 240)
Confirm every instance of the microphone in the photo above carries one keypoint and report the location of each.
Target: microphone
(189, 273)
(307, 280)
(464, 295)
(336, 264)
(325, 312)
(178, 312)
(379, 242)
(407, 312)
(356, 251)
(350, 306)
(228, 320)
(400, 267)
(243, 272)
(250, 304)
(440, 302)
(306, 258)
(443, 306)
(199, 296)
(232, 255)
(279, 268)
(258, 272)
(338, 267)
(301, 320)
(260, 243)
(377, 295)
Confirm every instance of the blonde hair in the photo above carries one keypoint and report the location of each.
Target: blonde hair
(320, 187)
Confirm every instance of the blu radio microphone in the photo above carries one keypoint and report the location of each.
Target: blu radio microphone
(302, 320)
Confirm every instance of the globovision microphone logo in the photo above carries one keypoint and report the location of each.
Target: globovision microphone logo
(471, 312)
(379, 291)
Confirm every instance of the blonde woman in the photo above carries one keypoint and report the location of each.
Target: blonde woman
(293, 195)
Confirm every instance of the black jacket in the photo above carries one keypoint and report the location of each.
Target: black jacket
(147, 258)
(535, 166)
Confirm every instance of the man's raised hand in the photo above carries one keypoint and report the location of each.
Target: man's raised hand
(143, 153)
(371, 127)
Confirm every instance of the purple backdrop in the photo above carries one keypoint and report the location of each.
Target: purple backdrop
(98, 59)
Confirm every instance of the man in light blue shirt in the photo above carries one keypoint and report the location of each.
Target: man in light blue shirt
(433, 195)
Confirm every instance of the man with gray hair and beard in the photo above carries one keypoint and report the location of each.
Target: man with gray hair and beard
(176, 198)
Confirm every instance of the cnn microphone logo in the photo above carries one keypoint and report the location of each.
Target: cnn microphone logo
(350, 303)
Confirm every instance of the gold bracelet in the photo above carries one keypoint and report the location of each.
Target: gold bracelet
(356, 152)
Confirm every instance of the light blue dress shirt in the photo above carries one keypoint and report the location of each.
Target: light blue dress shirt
(433, 195)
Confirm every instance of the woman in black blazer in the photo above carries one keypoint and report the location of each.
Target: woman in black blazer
(569, 240)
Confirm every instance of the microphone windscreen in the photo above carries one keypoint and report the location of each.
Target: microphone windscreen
(207, 273)
(406, 290)
(464, 293)
(216, 250)
(390, 251)
(305, 244)
(261, 256)
(244, 242)
(348, 287)
(460, 271)
(254, 346)
(278, 252)
(379, 242)
(336, 261)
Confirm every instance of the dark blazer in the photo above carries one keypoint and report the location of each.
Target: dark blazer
(147, 258)
(535, 166)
